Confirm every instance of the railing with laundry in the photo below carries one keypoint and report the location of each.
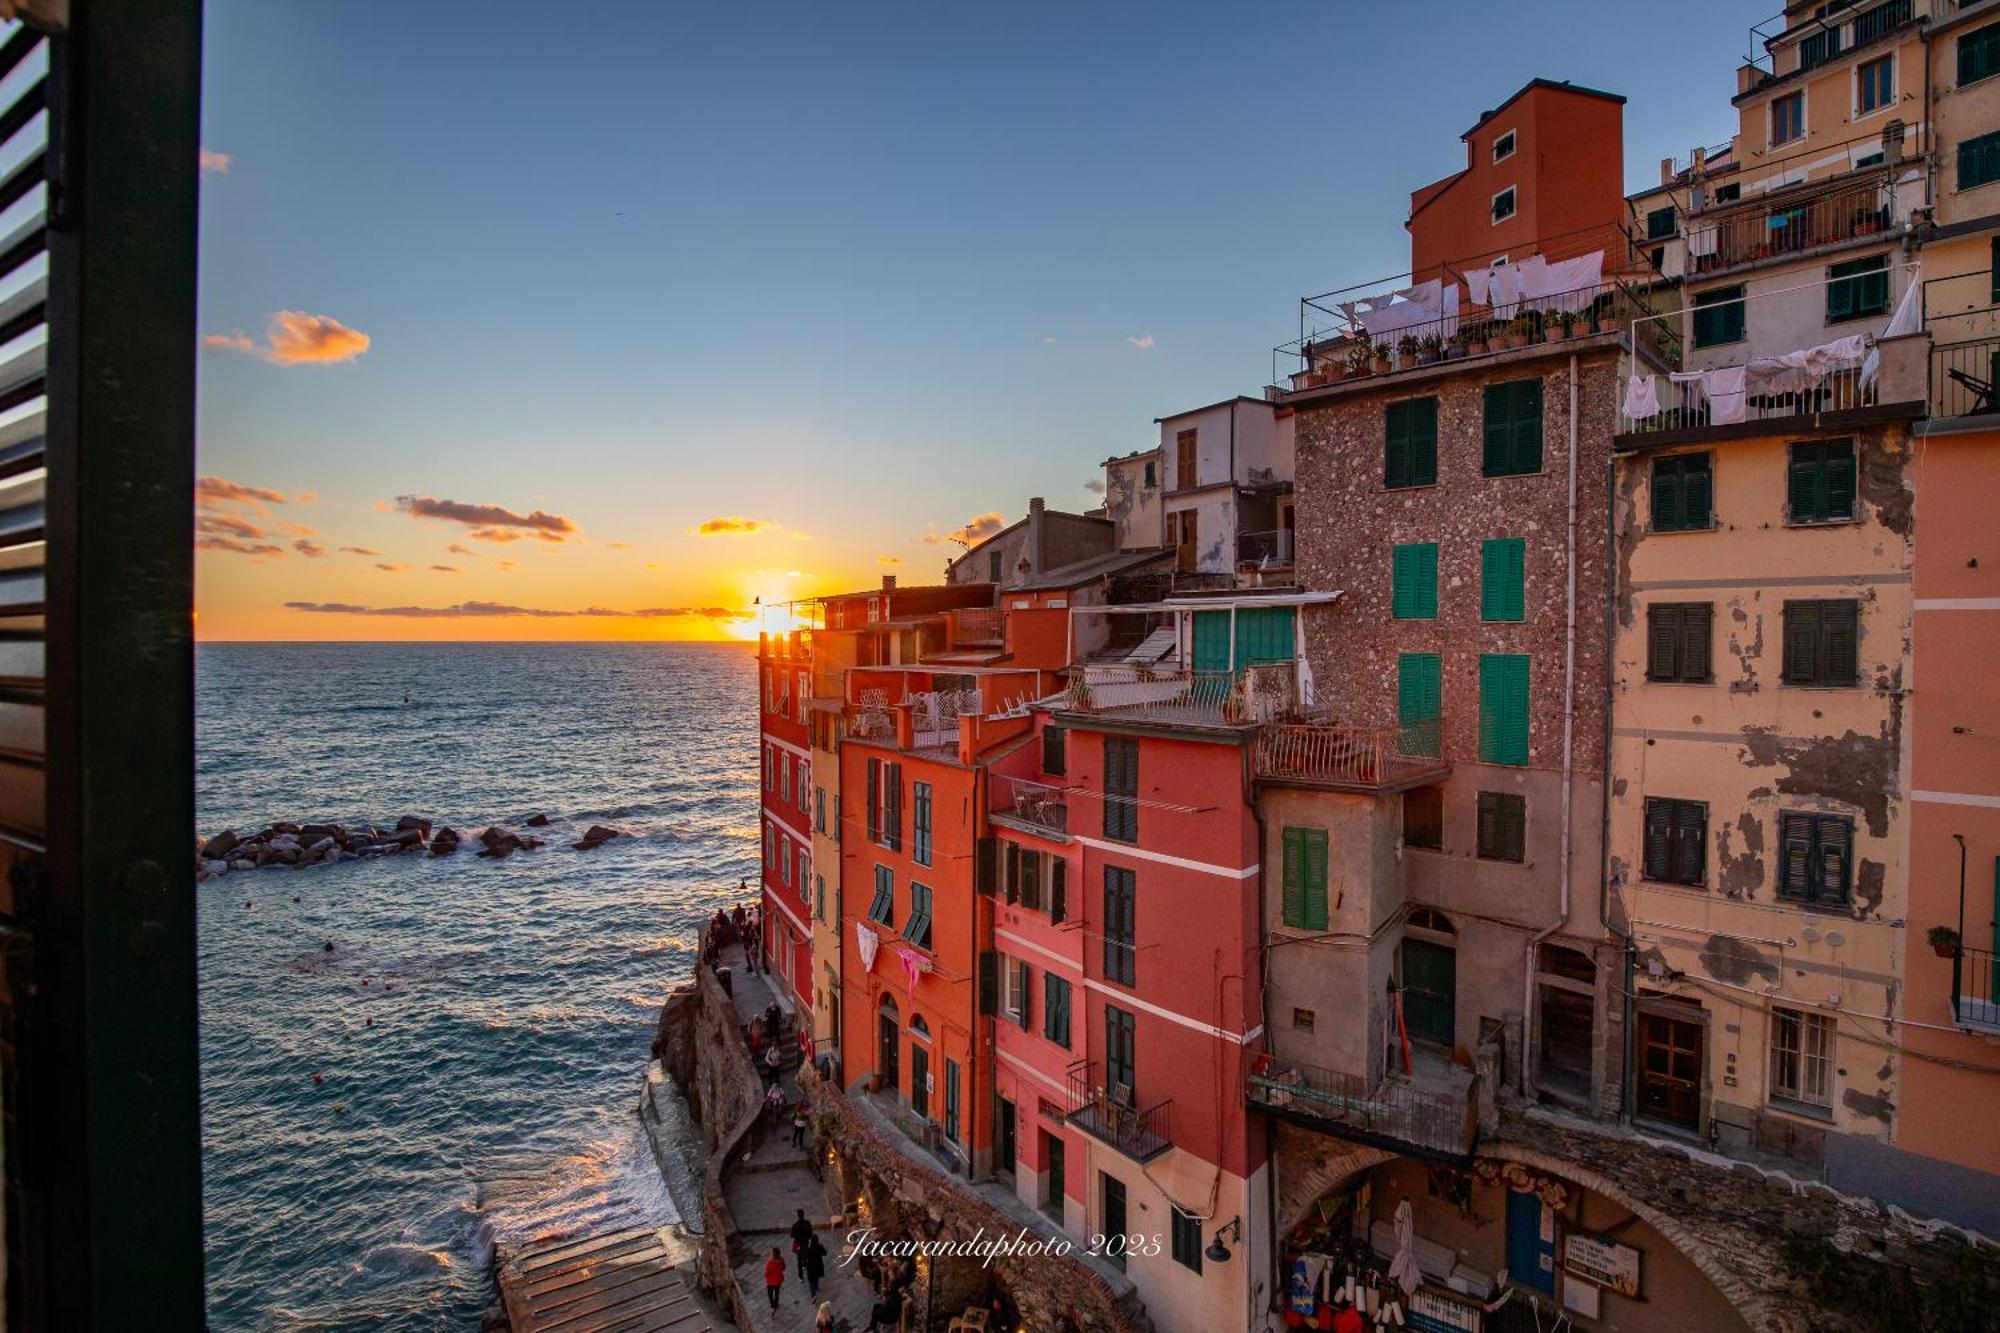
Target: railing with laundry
(1840, 375)
(1480, 313)
(1790, 225)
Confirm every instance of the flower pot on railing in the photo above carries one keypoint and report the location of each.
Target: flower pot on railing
(1944, 941)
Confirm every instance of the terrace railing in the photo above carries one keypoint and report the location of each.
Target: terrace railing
(1391, 1113)
(978, 624)
(1357, 758)
(1109, 1113)
(1264, 549)
(1252, 694)
(1975, 990)
(1720, 240)
(1037, 803)
(1686, 406)
(1965, 377)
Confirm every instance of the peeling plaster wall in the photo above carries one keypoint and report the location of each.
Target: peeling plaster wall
(1751, 748)
(1132, 505)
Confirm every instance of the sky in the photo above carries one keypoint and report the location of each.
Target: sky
(611, 321)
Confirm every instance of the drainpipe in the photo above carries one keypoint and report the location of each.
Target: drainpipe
(1629, 961)
(1569, 747)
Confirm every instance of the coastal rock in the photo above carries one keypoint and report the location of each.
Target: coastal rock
(443, 846)
(409, 822)
(447, 833)
(221, 845)
(321, 846)
(312, 833)
(242, 864)
(596, 836)
(499, 851)
(215, 867)
(497, 837)
(284, 828)
(537, 821)
(408, 837)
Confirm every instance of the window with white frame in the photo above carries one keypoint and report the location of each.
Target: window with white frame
(1503, 147)
(1503, 205)
(1802, 1058)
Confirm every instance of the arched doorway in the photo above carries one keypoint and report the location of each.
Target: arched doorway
(889, 1044)
(1430, 981)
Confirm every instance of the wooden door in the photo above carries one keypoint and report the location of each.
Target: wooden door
(1670, 1054)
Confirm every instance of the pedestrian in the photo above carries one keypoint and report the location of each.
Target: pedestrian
(774, 1019)
(774, 1275)
(799, 1124)
(802, 1231)
(757, 1039)
(887, 1310)
(774, 1102)
(823, 1321)
(812, 1262)
(772, 1063)
(736, 914)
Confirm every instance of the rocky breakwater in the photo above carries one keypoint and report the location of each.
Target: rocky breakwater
(300, 846)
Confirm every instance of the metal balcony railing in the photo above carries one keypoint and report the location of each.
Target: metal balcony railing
(1687, 405)
(1975, 990)
(1109, 1113)
(1264, 549)
(1037, 803)
(978, 625)
(1720, 240)
(1392, 1113)
(1253, 694)
(1965, 377)
(1358, 758)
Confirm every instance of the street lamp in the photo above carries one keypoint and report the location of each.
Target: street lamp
(1217, 1252)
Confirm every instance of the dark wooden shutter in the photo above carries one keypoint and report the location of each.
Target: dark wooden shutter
(1697, 490)
(1396, 446)
(1659, 841)
(1690, 841)
(1055, 759)
(1802, 486)
(874, 800)
(1499, 431)
(1010, 886)
(1663, 642)
(1837, 488)
(1802, 638)
(1514, 827)
(1027, 993)
(1487, 838)
(989, 982)
(1695, 648)
(1527, 428)
(1058, 890)
(1795, 866)
(1666, 494)
(893, 817)
(1834, 868)
(985, 863)
(1839, 642)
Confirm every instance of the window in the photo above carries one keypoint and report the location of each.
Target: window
(1503, 593)
(1677, 642)
(1819, 48)
(1856, 288)
(1017, 977)
(1303, 1019)
(1121, 1043)
(917, 930)
(1030, 888)
(951, 1099)
(1660, 223)
(1815, 856)
(1873, 24)
(1423, 818)
(1978, 160)
(770, 768)
(1152, 475)
(1410, 443)
(1730, 193)
(1801, 1057)
(920, 822)
(1058, 890)
(1683, 486)
(1187, 1240)
(1184, 458)
(1993, 268)
(1979, 54)
(1503, 826)
(1676, 844)
(784, 777)
(819, 897)
(1503, 205)
(993, 566)
(882, 909)
(1503, 708)
(1503, 147)
(784, 863)
(1413, 581)
(1121, 788)
(1788, 118)
(1718, 316)
(1055, 751)
(1305, 878)
(1010, 882)
(1120, 938)
(1822, 643)
(1875, 84)
(1419, 702)
(1055, 1009)
(1819, 482)
(819, 809)
(1513, 428)
(770, 848)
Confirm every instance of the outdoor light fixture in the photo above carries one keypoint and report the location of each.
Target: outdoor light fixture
(1217, 1252)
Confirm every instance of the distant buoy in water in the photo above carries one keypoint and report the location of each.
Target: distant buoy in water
(340, 1108)
(371, 1022)
(329, 946)
(319, 1078)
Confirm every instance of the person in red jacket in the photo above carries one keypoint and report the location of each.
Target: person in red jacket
(774, 1275)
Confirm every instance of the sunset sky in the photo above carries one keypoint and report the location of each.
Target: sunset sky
(599, 321)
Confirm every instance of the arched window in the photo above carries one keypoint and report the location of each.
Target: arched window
(919, 1028)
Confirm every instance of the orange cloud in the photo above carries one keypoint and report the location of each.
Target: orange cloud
(232, 545)
(394, 569)
(502, 609)
(359, 550)
(446, 569)
(890, 559)
(730, 525)
(301, 339)
(970, 533)
(228, 525)
(228, 342)
(456, 549)
(312, 550)
(489, 522)
(212, 491)
(216, 162)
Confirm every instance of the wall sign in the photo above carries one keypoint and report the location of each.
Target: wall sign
(1603, 1262)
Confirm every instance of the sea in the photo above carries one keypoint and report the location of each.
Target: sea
(464, 1065)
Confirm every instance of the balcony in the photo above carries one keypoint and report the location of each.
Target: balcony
(1964, 377)
(1109, 1115)
(1035, 806)
(1795, 224)
(1438, 1122)
(1975, 990)
(1265, 550)
(1364, 759)
(1241, 698)
(980, 625)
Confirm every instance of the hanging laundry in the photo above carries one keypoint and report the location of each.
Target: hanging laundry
(1642, 397)
(1506, 291)
(1569, 285)
(1476, 284)
(1703, 240)
(1726, 398)
(914, 966)
(868, 942)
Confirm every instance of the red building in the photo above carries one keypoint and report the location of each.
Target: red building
(785, 766)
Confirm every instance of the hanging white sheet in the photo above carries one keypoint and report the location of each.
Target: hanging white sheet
(1642, 397)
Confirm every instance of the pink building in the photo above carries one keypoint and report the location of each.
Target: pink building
(784, 681)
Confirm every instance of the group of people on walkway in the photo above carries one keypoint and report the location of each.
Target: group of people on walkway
(810, 1252)
(739, 925)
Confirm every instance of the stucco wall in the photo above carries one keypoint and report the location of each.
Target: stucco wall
(1132, 505)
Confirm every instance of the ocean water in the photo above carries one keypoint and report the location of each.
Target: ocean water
(481, 1029)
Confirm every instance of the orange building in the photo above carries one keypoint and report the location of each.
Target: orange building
(1544, 174)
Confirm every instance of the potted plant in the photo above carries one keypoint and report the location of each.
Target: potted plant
(1430, 349)
(1455, 349)
(1475, 340)
(1944, 941)
(1406, 350)
(1358, 358)
(1552, 326)
(1382, 366)
(1566, 320)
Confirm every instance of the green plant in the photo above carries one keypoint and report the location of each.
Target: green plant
(1943, 938)
(1359, 355)
(1406, 346)
(1566, 320)
(1431, 345)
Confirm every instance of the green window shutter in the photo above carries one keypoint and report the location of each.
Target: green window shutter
(1801, 643)
(1682, 487)
(1839, 630)
(1858, 287)
(1513, 433)
(1396, 447)
(1660, 223)
(1314, 869)
(1503, 579)
(1837, 487)
(1820, 481)
(1503, 708)
(1265, 634)
(1410, 456)
(1979, 54)
(1718, 316)
(1295, 877)
(1802, 483)
(1978, 160)
(1418, 692)
(1498, 431)
(1413, 581)
(1211, 641)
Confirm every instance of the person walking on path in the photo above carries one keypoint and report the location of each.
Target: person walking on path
(802, 1231)
(799, 1124)
(772, 1063)
(774, 1276)
(812, 1262)
(823, 1321)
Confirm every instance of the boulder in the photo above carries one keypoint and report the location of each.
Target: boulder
(221, 845)
(407, 822)
(447, 832)
(242, 864)
(537, 821)
(499, 850)
(495, 836)
(321, 846)
(284, 828)
(528, 844)
(215, 867)
(408, 837)
(313, 833)
(443, 846)
(599, 833)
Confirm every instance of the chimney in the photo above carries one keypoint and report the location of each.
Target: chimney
(1698, 163)
(888, 583)
(1035, 536)
(1666, 171)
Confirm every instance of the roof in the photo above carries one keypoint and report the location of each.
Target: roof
(1136, 453)
(1239, 398)
(1218, 603)
(1561, 86)
(1084, 571)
